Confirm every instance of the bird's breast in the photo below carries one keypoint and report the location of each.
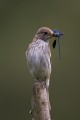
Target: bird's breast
(38, 58)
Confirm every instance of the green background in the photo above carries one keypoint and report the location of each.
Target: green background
(19, 21)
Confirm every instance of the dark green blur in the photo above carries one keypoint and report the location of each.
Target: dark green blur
(19, 21)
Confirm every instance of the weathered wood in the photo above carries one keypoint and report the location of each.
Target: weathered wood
(40, 102)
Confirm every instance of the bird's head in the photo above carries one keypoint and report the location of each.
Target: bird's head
(45, 33)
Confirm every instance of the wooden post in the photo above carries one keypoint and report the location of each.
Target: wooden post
(40, 102)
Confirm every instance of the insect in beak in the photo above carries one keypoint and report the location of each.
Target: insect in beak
(57, 34)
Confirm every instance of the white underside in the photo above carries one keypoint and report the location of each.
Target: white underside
(38, 59)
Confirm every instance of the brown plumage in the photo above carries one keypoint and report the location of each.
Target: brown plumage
(38, 55)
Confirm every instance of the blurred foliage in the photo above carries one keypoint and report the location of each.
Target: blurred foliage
(19, 21)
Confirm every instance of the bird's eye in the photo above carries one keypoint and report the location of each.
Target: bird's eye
(45, 33)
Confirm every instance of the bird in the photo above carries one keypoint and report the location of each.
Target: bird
(38, 54)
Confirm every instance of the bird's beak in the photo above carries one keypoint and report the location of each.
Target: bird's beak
(57, 33)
